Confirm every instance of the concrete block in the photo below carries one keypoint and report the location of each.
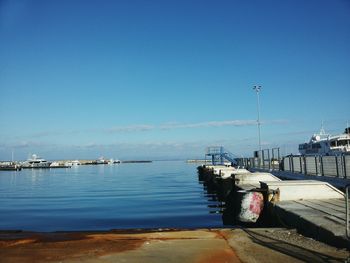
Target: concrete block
(253, 178)
(302, 189)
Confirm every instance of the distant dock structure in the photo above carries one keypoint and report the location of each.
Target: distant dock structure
(218, 155)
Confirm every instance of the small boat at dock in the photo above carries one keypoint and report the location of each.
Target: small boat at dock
(59, 165)
(112, 161)
(74, 163)
(10, 166)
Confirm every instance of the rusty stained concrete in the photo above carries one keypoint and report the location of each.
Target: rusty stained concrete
(199, 246)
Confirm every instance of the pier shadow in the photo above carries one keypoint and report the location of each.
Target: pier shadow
(299, 252)
(223, 193)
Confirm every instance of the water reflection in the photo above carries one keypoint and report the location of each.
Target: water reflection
(220, 192)
(155, 195)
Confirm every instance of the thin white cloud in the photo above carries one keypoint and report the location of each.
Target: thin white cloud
(131, 128)
(177, 125)
(236, 123)
(26, 144)
(138, 128)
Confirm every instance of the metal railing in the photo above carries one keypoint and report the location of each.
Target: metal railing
(265, 159)
(270, 159)
(347, 211)
(218, 155)
(332, 166)
(214, 150)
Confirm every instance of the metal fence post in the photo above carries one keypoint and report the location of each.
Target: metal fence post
(344, 165)
(268, 157)
(275, 158)
(321, 168)
(221, 155)
(305, 165)
(290, 164)
(301, 165)
(347, 210)
(336, 165)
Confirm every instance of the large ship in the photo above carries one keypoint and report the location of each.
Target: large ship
(36, 162)
(326, 144)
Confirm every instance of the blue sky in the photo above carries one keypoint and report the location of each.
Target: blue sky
(165, 79)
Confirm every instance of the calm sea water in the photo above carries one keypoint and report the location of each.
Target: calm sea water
(103, 197)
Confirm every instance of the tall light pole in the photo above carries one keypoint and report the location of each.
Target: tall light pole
(257, 89)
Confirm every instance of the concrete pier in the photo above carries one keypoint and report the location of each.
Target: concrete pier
(314, 208)
(199, 246)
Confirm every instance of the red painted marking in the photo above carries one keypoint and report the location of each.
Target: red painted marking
(256, 204)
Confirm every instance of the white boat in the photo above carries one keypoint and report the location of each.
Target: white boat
(36, 162)
(72, 163)
(75, 163)
(60, 165)
(55, 164)
(112, 161)
(101, 160)
(326, 144)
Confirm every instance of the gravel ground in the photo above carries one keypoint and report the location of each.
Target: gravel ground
(251, 245)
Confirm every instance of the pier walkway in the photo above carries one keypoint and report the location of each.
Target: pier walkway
(323, 219)
(287, 175)
(315, 208)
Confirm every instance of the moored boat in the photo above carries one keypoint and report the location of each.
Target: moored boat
(59, 165)
(36, 162)
(10, 166)
(326, 144)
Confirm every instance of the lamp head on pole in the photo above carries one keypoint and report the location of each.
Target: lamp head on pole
(257, 88)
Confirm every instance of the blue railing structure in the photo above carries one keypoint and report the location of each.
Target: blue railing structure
(219, 154)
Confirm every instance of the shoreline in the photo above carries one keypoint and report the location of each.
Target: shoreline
(173, 245)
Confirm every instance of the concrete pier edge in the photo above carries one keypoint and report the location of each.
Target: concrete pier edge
(307, 228)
